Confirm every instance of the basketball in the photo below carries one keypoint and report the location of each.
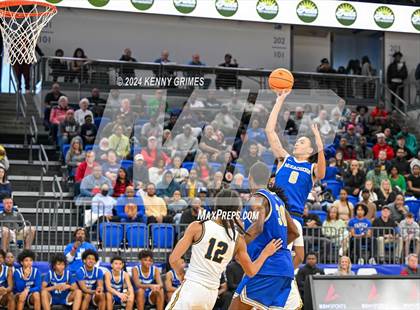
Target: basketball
(281, 79)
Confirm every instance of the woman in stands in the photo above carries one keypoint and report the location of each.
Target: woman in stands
(344, 267)
(344, 207)
(121, 183)
(334, 228)
(75, 156)
(386, 194)
(369, 186)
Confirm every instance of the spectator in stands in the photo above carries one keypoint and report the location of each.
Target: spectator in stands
(177, 206)
(180, 174)
(191, 214)
(13, 226)
(151, 153)
(310, 220)
(139, 171)
(379, 112)
(371, 214)
(410, 234)
(58, 115)
(335, 228)
(111, 166)
(401, 145)
(5, 186)
(4, 161)
(154, 103)
(185, 145)
(410, 139)
(68, 129)
(385, 233)
(121, 183)
(102, 151)
(127, 70)
(344, 207)
(377, 175)
(126, 113)
(98, 103)
(351, 136)
(310, 268)
(415, 161)
(81, 113)
(156, 172)
(59, 67)
(347, 150)
(412, 266)
(397, 180)
(363, 152)
(226, 121)
(77, 67)
(250, 156)
(203, 168)
(75, 249)
(369, 186)
(130, 197)
(51, 98)
(102, 207)
(324, 125)
(88, 131)
(119, 142)
(75, 156)
(86, 167)
(325, 67)
(152, 128)
(382, 145)
(413, 181)
(155, 206)
(167, 187)
(209, 143)
(386, 164)
(91, 184)
(344, 267)
(229, 79)
(398, 208)
(395, 76)
(385, 194)
(190, 187)
(354, 178)
(401, 163)
(360, 232)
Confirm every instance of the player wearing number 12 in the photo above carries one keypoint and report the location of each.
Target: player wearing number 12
(214, 243)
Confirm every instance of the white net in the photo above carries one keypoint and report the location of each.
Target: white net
(21, 23)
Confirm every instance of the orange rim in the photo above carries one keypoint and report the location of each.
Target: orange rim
(50, 9)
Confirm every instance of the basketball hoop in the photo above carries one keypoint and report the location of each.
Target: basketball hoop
(21, 22)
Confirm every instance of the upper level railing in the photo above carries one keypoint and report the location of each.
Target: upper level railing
(107, 74)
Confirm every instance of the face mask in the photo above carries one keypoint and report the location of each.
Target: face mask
(104, 192)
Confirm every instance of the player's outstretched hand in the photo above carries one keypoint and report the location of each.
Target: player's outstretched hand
(273, 247)
(317, 134)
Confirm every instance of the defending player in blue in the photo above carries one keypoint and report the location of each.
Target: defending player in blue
(119, 290)
(27, 282)
(270, 287)
(6, 284)
(295, 174)
(90, 281)
(147, 282)
(59, 287)
(173, 280)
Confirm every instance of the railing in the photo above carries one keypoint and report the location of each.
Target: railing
(33, 137)
(43, 159)
(56, 187)
(110, 74)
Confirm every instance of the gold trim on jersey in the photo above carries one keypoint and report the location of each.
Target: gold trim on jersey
(177, 293)
(203, 231)
(251, 302)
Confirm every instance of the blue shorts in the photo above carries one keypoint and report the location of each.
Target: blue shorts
(116, 300)
(147, 293)
(264, 292)
(61, 299)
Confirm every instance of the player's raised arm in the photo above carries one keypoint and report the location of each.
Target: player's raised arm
(270, 129)
(292, 230)
(251, 268)
(192, 233)
(258, 204)
(321, 164)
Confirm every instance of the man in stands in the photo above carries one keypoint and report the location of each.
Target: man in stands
(410, 140)
(50, 98)
(91, 184)
(74, 250)
(98, 103)
(382, 145)
(14, 227)
(385, 233)
(309, 269)
(379, 112)
(155, 206)
(58, 115)
(401, 162)
(185, 145)
(228, 79)
(68, 129)
(412, 266)
(127, 70)
(360, 232)
(81, 113)
(363, 152)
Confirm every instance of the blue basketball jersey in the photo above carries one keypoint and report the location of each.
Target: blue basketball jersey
(275, 227)
(295, 179)
(3, 276)
(33, 282)
(91, 278)
(175, 281)
(53, 279)
(147, 279)
(118, 286)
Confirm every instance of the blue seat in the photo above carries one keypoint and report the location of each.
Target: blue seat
(163, 236)
(88, 147)
(215, 166)
(111, 234)
(378, 214)
(126, 163)
(188, 165)
(414, 207)
(321, 214)
(136, 235)
(101, 121)
(1, 207)
(353, 199)
(268, 157)
(66, 148)
(335, 187)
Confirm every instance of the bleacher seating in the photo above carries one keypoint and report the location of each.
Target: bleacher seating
(136, 235)
(111, 234)
(321, 214)
(335, 187)
(353, 199)
(414, 207)
(163, 236)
